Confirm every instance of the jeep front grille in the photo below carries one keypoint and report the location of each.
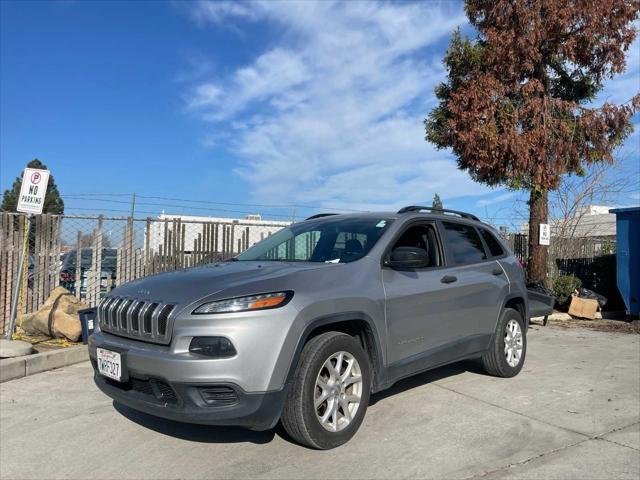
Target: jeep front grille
(128, 317)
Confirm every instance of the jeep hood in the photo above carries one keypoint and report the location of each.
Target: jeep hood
(188, 285)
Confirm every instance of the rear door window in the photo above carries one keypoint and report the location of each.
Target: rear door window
(495, 248)
(464, 243)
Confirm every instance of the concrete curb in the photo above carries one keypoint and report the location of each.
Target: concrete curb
(12, 368)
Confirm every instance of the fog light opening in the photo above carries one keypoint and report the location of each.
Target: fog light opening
(217, 347)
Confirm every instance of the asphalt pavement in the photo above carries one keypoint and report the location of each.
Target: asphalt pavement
(573, 412)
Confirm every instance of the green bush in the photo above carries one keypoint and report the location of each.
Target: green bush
(564, 286)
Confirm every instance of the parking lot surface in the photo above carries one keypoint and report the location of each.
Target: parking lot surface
(573, 412)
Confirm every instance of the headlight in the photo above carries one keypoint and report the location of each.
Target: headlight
(262, 301)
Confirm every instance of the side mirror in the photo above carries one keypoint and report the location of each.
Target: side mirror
(408, 257)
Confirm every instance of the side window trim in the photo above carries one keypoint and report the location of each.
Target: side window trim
(487, 251)
(412, 223)
(447, 250)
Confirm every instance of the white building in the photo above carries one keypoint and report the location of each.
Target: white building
(590, 221)
(227, 236)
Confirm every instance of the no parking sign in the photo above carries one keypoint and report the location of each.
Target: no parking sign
(33, 190)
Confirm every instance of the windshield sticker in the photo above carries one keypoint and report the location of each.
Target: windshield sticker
(335, 260)
(381, 224)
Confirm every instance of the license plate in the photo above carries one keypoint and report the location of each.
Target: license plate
(110, 364)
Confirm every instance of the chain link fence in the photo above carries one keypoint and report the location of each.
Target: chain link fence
(91, 255)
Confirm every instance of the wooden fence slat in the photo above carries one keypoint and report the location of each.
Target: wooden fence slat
(10, 277)
(78, 275)
(42, 253)
(37, 225)
(5, 227)
(97, 257)
(176, 237)
(217, 242)
(130, 249)
(37, 258)
(10, 265)
(147, 246)
(182, 244)
(205, 242)
(233, 243)
(54, 276)
(48, 261)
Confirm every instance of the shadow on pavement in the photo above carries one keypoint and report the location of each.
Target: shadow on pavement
(427, 377)
(215, 434)
(193, 432)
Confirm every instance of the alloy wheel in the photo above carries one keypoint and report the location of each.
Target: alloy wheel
(513, 342)
(338, 391)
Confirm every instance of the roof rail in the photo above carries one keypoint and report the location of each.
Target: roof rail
(417, 208)
(320, 215)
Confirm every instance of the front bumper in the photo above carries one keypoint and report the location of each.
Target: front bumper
(260, 365)
(201, 403)
(161, 381)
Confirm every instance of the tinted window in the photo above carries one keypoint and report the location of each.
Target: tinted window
(494, 246)
(329, 239)
(463, 242)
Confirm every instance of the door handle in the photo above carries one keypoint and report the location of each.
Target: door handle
(497, 271)
(449, 279)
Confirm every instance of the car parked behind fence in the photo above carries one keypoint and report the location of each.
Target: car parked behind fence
(68, 270)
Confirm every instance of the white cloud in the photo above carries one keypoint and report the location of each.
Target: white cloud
(271, 76)
(217, 11)
(331, 113)
(204, 95)
(498, 199)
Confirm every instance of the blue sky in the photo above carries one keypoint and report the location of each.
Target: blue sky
(265, 103)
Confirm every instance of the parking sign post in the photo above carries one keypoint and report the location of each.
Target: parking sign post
(30, 201)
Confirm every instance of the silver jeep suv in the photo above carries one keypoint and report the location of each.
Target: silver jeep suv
(305, 325)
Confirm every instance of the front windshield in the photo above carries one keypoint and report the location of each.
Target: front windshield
(328, 239)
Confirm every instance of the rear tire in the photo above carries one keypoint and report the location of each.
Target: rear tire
(332, 380)
(508, 349)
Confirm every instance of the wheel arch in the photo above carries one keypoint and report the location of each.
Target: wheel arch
(519, 303)
(357, 324)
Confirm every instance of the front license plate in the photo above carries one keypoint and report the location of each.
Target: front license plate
(110, 364)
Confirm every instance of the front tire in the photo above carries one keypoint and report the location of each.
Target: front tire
(506, 355)
(329, 395)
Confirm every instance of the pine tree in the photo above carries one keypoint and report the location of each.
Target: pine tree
(437, 203)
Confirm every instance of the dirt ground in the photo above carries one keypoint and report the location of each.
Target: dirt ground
(601, 325)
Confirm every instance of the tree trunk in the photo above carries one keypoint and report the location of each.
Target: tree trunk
(538, 254)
